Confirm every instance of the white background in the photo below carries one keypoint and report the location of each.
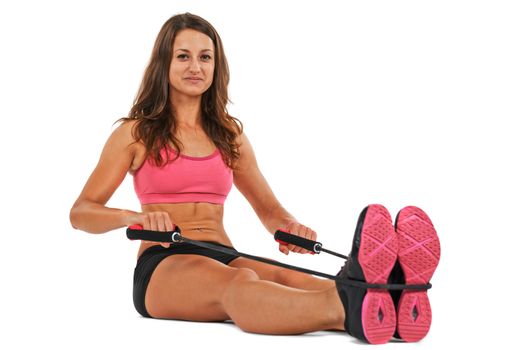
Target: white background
(345, 103)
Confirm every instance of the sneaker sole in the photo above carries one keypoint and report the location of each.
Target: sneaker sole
(418, 255)
(377, 255)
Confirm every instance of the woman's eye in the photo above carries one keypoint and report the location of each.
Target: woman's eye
(204, 57)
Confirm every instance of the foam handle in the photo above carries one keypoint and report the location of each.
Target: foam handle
(288, 238)
(136, 232)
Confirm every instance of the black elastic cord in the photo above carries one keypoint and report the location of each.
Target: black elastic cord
(334, 253)
(346, 281)
(150, 235)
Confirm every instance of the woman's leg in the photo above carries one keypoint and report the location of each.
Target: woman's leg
(267, 307)
(197, 288)
(282, 275)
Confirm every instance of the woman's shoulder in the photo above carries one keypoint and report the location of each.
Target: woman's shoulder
(247, 158)
(241, 138)
(123, 141)
(127, 125)
(124, 133)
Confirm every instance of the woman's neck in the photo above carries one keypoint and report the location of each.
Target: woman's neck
(187, 110)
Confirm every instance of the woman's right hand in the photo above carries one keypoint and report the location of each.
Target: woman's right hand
(152, 221)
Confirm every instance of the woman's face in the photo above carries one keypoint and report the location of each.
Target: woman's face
(193, 63)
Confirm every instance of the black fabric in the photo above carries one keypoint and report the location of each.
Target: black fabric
(151, 257)
(396, 276)
(353, 297)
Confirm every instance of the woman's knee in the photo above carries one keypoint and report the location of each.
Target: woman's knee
(198, 280)
(238, 278)
(244, 274)
(237, 282)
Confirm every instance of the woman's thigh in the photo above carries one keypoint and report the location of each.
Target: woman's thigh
(190, 287)
(281, 275)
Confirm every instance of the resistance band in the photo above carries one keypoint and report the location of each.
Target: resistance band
(136, 232)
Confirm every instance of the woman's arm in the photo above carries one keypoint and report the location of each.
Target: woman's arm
(94, 217)
(278, 218)
(251, 183)
(89, 212)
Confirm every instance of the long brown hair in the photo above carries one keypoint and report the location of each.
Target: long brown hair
(155, 125)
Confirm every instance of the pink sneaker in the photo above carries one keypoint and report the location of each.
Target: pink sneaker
(370, 313)
(418, 257)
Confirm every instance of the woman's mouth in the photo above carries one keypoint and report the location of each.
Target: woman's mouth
(193, 80)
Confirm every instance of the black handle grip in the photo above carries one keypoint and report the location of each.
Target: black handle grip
(288, 238)
(136, 232)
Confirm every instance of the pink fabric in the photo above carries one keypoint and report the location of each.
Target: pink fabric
(188, 179)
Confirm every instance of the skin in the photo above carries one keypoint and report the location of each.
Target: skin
(287, 302)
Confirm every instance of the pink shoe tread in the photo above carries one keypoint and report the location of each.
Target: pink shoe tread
(418, 255)
(377, 255)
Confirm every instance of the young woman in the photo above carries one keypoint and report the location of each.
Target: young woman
(185, 151)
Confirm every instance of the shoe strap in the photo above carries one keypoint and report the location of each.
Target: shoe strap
(389, 286)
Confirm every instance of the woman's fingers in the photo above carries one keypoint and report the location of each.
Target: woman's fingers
(153, 221)
(157, 221)
(146, 224)
(301, 231)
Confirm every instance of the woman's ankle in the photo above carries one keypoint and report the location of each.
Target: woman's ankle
(337, 314)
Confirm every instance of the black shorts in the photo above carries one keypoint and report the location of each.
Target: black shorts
(152, 256)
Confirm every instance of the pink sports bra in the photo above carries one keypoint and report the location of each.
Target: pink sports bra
(187, 179)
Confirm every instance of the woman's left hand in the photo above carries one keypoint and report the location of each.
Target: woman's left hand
(300, 230)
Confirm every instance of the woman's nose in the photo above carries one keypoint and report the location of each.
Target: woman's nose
(194, 66)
